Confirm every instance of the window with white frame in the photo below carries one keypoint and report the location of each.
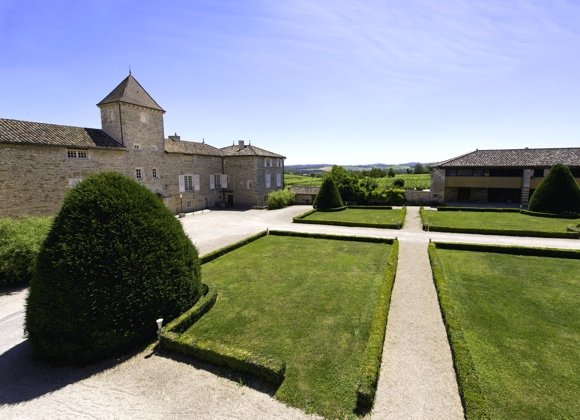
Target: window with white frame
(155, 173)
(136, 146)
(139, 174)
(188, 204)
(76, 154)
(250, 185)
(153, 148)
(268, 162)
(185, 183)
(218, 181)
(268, 180)
(278, 180)
(278, 163)
(144, 118)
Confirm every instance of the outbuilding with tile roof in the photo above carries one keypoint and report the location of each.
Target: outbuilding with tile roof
(502, 176)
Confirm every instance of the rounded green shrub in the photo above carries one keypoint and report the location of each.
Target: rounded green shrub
(279, 199)
(557, 193)
(20, 241)
(328, 197)
(114, 261)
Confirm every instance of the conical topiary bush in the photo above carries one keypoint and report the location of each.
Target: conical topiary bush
(114, 261)
(328, 198)
(557, 193)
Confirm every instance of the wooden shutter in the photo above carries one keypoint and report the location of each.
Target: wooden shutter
(211, 182)
(196, 182)
(181, 184)
(224, 180)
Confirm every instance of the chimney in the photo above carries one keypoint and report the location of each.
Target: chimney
(175, 137)
(241, 143)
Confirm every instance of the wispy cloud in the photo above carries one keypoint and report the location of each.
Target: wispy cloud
(415, 43)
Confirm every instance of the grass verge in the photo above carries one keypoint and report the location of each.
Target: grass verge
(497, 223)
(357, 217)
(310, 311)
(513, 324)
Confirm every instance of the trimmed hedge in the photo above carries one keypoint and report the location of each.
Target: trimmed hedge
(472, 397)
(302, 219)
(371, 363)
(114, 260)
(267, 368)
(512, 250)
(557, 193)
(330, 236)
(510, 210)
(20, 242)
(219, 252)
(479, 209)
(474, 402)
(508, 232)
(371, 207)
(328, 197)
(190, 317)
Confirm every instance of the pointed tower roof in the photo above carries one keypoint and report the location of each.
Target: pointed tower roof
(130, 91)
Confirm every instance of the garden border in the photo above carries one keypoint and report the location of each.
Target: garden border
(271, 369)
(468, 381)
(302, 219)
(499, 232)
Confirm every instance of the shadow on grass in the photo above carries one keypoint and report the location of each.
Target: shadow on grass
(24, 378)
(244, 379)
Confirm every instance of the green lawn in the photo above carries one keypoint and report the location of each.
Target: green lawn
(514, 323)
(291, 179)
(308, 302)
(495, 223)
(412, 181)
(360, 217)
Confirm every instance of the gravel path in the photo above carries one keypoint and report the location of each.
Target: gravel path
(416, 381)
(417, 378)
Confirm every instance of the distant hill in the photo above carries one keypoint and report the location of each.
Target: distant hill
(326, 167)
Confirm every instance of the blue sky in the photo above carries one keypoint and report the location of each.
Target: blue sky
(325, 81)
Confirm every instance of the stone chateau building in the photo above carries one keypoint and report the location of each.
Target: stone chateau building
(40, 162)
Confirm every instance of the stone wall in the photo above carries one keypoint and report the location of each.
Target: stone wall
(242, 172)
(35, 179)
(414, 197)
(438, 186)
(175, 164)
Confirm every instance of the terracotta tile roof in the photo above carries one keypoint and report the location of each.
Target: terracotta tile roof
(515, 158)
(130, 91)
(191, 148)
(248, 150)
(27, 132)
(305, 189)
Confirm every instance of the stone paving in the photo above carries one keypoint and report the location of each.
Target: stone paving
(416, 381)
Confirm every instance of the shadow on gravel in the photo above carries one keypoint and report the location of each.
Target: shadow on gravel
(242, 379)
(12, 289)
(22, 378)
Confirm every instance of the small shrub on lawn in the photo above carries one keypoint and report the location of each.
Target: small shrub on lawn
(20, 241)
(328, 197)
(557, 193)
(279, 199)
(114, 260)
